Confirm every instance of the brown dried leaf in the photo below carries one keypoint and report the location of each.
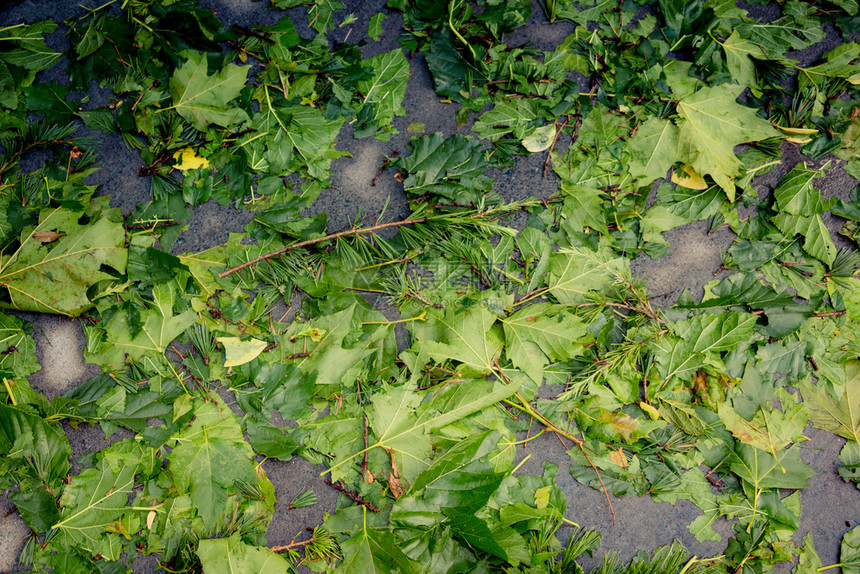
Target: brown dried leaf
(619, 458)
(47, 236)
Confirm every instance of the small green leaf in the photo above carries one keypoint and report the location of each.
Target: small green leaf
(374, 28)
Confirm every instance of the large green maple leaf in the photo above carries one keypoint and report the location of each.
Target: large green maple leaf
(207, 459)
(234, 556)
(712, 124)
(97, 498)
(468, 336)
(800, 207)
(541, 333)
(837, 415)
(203, 99)
(576, 272)
(160, 327)
(60, 258)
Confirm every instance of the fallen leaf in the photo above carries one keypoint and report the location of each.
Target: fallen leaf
(541, 139)
(239, 352)
(47, 236)
(689, 178)
(619, 458)
(187, 159)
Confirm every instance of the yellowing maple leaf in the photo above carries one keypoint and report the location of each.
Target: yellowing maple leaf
(187, 159)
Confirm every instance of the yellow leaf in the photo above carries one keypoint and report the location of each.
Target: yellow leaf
(416, 128)
(187, 159)
(649, 410)
(623, 423)
(542, 496)
(798, 131)
(240, 352)
(540, 139)
(798, 141)
(854, 79)
(619, 458)
(689, 178)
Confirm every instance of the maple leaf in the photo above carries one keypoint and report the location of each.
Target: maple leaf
(160, 327)
(712, 124)
(233, 555)
(54, 277)
(204, 100)
(838, 415)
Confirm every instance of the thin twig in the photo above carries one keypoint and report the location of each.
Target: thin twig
(353, 496)
(552, 146)
(292, 545)
(384, 165)
(339, 234)
(527, 408)
(153, 225)
(364, 461)
(830, 313)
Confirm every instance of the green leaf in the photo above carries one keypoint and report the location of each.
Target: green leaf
(208, 458)
(849, 552)
(770, 430)
(290, 138)
(761, 469)
(653, 150)
(468, 336)
(739, 58)
(60, 259)
(25, 436)
(796, 194)
(234, 556)
(270, 441)
(698, 337)
(506, 118)
(374, 27)
(839, 63)
(384, 91)
(204, 100)
(98, 497)
(840, 415)
(543, 333)
(575, 273)
(816, 237)
(402, 426)
(374, 551)
(159, 327)
(451, 167)
(712, 124)
(808, 562)
(17, 349)
(320, 13)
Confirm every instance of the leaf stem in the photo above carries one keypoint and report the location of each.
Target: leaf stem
(9, 391)
(421, 317)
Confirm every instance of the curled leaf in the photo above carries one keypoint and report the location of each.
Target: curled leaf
(240, 352)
